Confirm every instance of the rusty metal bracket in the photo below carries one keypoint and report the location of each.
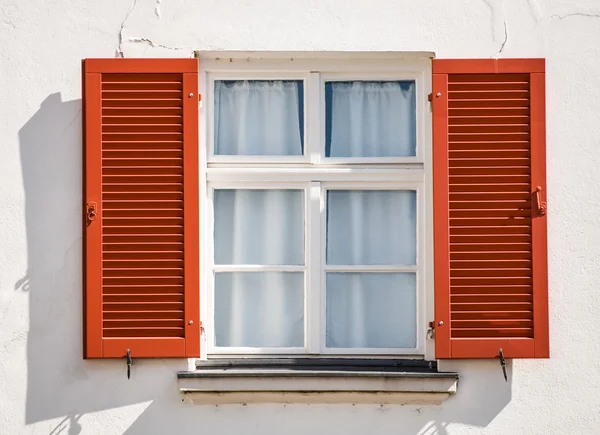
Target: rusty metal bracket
(91, 212)
(541, 205)
(129, 363)
(503, 364)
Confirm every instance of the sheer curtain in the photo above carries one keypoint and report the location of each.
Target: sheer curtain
(368, 309)
(370, 119)
(259, 227)
(259, 117)
(371, 310)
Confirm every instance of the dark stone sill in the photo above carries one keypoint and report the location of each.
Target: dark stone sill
(316, 367)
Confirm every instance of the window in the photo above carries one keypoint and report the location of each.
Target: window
(316, 207)
(313, 206)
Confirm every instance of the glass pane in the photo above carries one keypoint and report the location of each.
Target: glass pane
(259, 227)
(259, 309)
(370, 119)
(371, 227)
(259, 117)
(371, 310)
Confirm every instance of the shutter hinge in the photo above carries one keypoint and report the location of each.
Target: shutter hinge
(431, 330)
(430, 99)
(200, 101)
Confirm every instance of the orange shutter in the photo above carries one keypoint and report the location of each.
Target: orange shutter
(141, 225)
(491, 283)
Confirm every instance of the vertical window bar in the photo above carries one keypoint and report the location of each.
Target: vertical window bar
(313, 269)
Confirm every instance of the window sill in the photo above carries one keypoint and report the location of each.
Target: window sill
(317, 381)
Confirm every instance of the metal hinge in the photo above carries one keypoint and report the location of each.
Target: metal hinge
(431, 330)
(430, 98)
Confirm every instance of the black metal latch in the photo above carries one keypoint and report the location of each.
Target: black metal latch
(503, 364)
(130, 363)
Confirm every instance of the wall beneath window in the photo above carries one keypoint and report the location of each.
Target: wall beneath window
(46, 387)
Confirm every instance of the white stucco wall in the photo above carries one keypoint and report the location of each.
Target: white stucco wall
(46, 387)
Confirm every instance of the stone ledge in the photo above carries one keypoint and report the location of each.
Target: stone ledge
(230, 386)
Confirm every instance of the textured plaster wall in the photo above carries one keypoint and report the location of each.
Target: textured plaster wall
(46, 387)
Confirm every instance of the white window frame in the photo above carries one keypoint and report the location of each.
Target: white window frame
(417, 268)
(263, 75)
(315, 173)
(261, 185)
(415, 76)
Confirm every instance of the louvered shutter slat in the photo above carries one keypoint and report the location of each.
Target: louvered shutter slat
(143, 243)
(489, 290)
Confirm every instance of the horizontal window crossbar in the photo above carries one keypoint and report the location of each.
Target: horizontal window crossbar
(370, 268)
(256, 268)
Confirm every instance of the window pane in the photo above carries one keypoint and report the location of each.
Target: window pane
(259, 309)
(259, 117)
(371, 227)
(259, 227)
(370, 119)
(371, 310)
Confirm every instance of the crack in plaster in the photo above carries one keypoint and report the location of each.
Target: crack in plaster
(575, 14)
(505, 36)
(122, 28)
(494, 5)
(153, 44)
(157, 8)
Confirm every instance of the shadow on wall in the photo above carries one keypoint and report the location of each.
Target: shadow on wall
(60, 384)
(482, 395)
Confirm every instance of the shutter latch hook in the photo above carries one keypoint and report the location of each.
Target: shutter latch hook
(129, 363)
(541, 205)
(91, 211)
(503, 364)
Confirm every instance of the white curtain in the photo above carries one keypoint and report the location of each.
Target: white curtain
(370, 227)
(371, 310)
(259, 227)
(259, 309)
(370, 119)
(258, 117)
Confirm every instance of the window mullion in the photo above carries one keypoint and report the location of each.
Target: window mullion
(313, 274)
(314, 126)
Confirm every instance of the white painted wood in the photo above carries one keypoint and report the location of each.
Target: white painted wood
(403, 176)
(256, 268)
(315, 174)
(314, 307)
(416, 76)
(211, 268)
